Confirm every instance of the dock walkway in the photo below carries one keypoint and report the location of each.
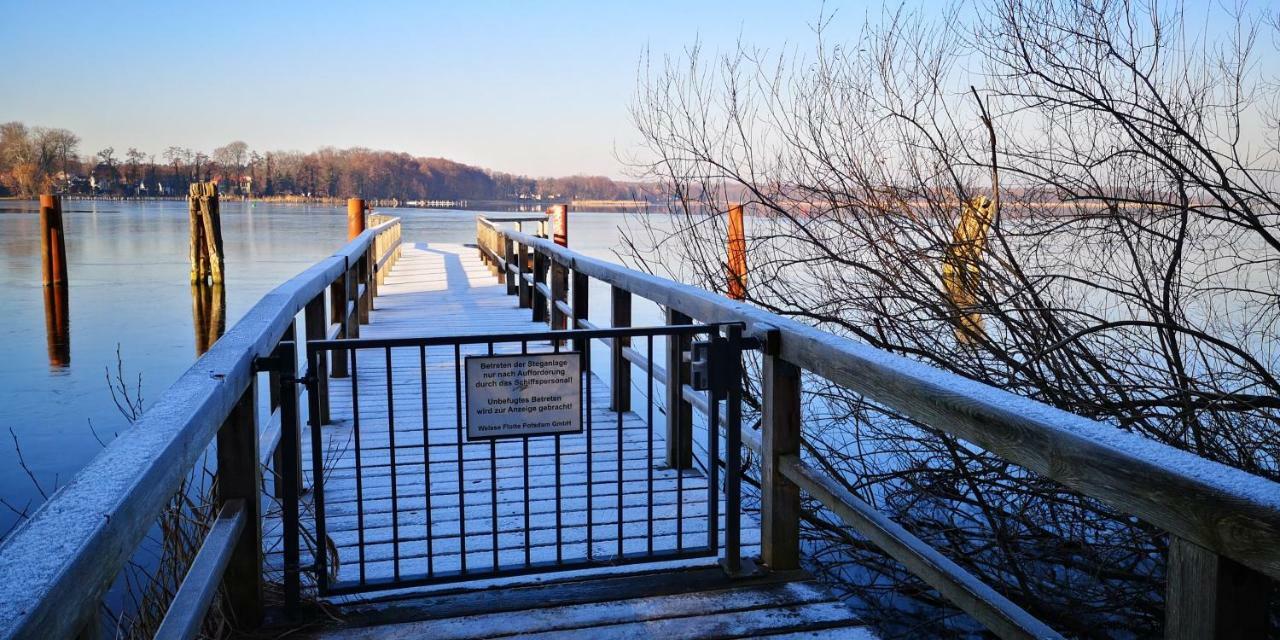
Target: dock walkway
(524, 503)
(424, 533)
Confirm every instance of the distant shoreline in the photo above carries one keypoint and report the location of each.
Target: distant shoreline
(514, 205)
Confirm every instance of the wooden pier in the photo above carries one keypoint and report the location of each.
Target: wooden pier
(364, 491)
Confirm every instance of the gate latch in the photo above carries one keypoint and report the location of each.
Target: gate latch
(708, 365)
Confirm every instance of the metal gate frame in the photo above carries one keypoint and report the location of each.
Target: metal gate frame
(717, 366)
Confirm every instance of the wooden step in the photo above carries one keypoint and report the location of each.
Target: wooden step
(699, 603)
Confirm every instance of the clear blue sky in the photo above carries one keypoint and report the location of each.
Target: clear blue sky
(540, 88)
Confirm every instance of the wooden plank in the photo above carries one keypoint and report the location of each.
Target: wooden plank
(971, 595)
(642, 361)
(745, 623)
(590, 615)
(464, 602)
(191, 603)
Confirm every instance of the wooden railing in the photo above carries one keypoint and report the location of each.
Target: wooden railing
(56, 567)
(1224, 523)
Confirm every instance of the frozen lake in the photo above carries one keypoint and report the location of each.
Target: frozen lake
(127, 262)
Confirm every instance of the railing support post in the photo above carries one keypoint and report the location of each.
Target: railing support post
(679, 411)
(317, 329)
(289, 472)
(351, 314)
(522, 261)
(1211, 596)
(620, 367)
(240, 477)
(780, 498)
(274, 399)
(539, 276)
(580, 291)
(508, 252)
(371, 257)
(559, 286)
(499, 255)
(338, 315)
(366, 298)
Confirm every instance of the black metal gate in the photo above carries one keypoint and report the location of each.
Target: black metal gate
(402, 495)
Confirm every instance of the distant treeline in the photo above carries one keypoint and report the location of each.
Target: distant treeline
(37, 159)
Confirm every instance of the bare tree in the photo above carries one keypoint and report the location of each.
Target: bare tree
(1130, 272)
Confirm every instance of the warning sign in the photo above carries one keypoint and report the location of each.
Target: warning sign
(523, 395)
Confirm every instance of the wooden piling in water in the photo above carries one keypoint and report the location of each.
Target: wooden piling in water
(57, 326)
(206, 233)
(53, 251)
(737, 254)
(209, 314)
(559, 215)
(961, 273)
(355, 217)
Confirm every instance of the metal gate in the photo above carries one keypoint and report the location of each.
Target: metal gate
(405, 491)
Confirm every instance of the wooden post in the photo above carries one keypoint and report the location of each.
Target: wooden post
(373, 253)
(559, 215)
(679, 411)
(275, 402)
(581, 288)
(355, 218)
(289, 469)
(508, 252)
(522, 261)
(539, 276)
(57, 326)
(53, 250)
(353, 300)
(496, 246)
(559, 293)
(196, 248)
(364, 301)
(1211, 596)
(780, 498)
(737, 254)
(208, 311)
(338, 315)
(239, 477)
(316, 330)
(53, 267)
(212, 217)
(206, 233)
(620, 312)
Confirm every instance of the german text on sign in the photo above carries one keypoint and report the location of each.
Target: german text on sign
(523, 395)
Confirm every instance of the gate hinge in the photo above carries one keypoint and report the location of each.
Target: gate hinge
(269, 363)
(306, 380)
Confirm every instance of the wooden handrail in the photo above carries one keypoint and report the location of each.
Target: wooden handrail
(58, 564)
(186, 611)
(1222, 510)
(968, 593)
